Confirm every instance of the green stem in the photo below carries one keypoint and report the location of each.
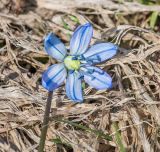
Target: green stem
(45, 122)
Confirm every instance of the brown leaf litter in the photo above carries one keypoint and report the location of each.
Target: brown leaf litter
(132, 103)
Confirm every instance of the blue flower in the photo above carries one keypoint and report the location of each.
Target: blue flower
(77, 65)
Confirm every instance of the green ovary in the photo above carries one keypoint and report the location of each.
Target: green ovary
(71, 64)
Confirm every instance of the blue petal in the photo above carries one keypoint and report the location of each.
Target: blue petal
(96, 77)
(54, 47)
(100, 52)
(81, 39)
(74, 86)
(54, 76)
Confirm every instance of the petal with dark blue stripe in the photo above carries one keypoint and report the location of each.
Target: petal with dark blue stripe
(54, 47)
(54, 76)
(100, 52)
(81, 39)
(96, 77)
(74, 86)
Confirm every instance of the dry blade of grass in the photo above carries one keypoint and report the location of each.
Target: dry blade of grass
(79, 126)
(132, 103)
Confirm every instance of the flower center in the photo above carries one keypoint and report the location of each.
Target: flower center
(71, 63)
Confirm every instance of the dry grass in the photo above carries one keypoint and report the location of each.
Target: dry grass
(129, 113)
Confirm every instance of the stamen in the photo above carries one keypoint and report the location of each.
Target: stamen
(81, 76)
(95, 58)
(71, 71)
(86, 73)
(74, 58)
(90, 71)
(81, 57)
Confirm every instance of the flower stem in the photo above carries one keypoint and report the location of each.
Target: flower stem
(45, 122)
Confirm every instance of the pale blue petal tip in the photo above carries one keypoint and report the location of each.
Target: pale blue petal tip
(81, 39)
(96, 77)
(48, 36)
(100, 52)
(49, 88)
(87, 24)
(74, 87)
(54, 47)
(53, 77)
(77, 101)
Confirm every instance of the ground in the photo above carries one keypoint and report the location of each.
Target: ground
(124, 118)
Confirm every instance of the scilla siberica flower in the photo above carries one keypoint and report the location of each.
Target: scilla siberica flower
(77, 65)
